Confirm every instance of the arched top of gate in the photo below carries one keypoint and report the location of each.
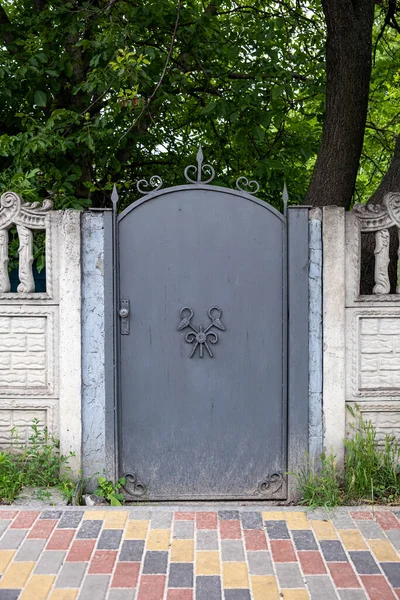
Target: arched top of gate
(201, 169)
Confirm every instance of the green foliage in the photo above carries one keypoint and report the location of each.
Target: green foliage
(37, 464)
(320, 487)
(371, 471)
(110, 491)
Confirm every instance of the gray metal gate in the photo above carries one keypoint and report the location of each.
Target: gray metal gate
(203, 344)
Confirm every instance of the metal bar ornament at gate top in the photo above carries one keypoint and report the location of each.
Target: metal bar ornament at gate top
(155, 182)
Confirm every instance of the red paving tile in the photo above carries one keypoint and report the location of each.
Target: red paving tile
(24, 520)
(151, 587)
(103, 561)
(206, 520)
(397, 592)
(184, 516)
(343, 575)
(361, 515)
(386, 520)
(312, 563)
(230, 530)
(42, 529)
(61, 539)
(377, 587)
(255, 540)
(180, 595)
(126, 575)
(7, 514)
(282, 551)
(81, 551)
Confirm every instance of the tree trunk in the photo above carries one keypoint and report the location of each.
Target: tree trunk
(348, 71)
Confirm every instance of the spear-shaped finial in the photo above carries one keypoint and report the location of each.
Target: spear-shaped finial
(199, 158)
(114, 197)
(285, 198)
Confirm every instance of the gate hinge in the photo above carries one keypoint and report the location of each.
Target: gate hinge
(124, 315)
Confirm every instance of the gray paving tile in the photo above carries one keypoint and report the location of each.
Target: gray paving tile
(12, 539)
(183, 530)
(342, 520)
(30, 550)
(50, 562)
(251, 520)
(71, 575)
(277, 530)
(232, 550)
(161, 520)
(9, 594)
(333, 551)
(318, 514)
(228, 515)
(394, 537)
(260, 563)
(370, 530)
(89, 529)
(304, 540)
(95, 586)
(207, 540)
(180, 575)
(4, 525)
(110, 539)
(51, 514)
(321, 587)
(364, 562)
(70, 519)
(392, 572)
(237, 595)
(122, 594)
(155, 562)
(289, 575)
(208, 587)
(131, 551)
(352, 595)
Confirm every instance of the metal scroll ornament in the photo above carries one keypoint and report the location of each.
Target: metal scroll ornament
(200, 169)
(244, 185)
(272, 484)
(154, 183)
(132, 486)
(201, 336)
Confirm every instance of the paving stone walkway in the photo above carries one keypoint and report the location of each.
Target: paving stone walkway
(176, 553)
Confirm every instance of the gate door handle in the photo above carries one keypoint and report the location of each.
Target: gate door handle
(124, 314)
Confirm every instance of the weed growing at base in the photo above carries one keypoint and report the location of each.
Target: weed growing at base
(371, 471)
(37, 463)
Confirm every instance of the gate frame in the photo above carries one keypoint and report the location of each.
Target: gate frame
(297, 324)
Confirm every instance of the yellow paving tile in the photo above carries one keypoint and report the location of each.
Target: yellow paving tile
(383, 551)
(235, 575)
(16, 575)
(295, 595)
(182, 551)
(274, 515)
(136, 530)
(116, 519)
(352, 539)
(158, 539)
(94, 515)
(207, 563)
(5, 557)
(38, 587)
(297, 520)
(324, 530)
(264, 587)
(64, 594)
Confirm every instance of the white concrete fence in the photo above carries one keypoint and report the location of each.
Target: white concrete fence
(56, 357)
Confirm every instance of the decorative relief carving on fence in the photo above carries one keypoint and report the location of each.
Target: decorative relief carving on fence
(379, 218)
(26, 217)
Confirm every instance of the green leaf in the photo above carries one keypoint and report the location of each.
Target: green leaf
(40, 98)
(115, 501)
